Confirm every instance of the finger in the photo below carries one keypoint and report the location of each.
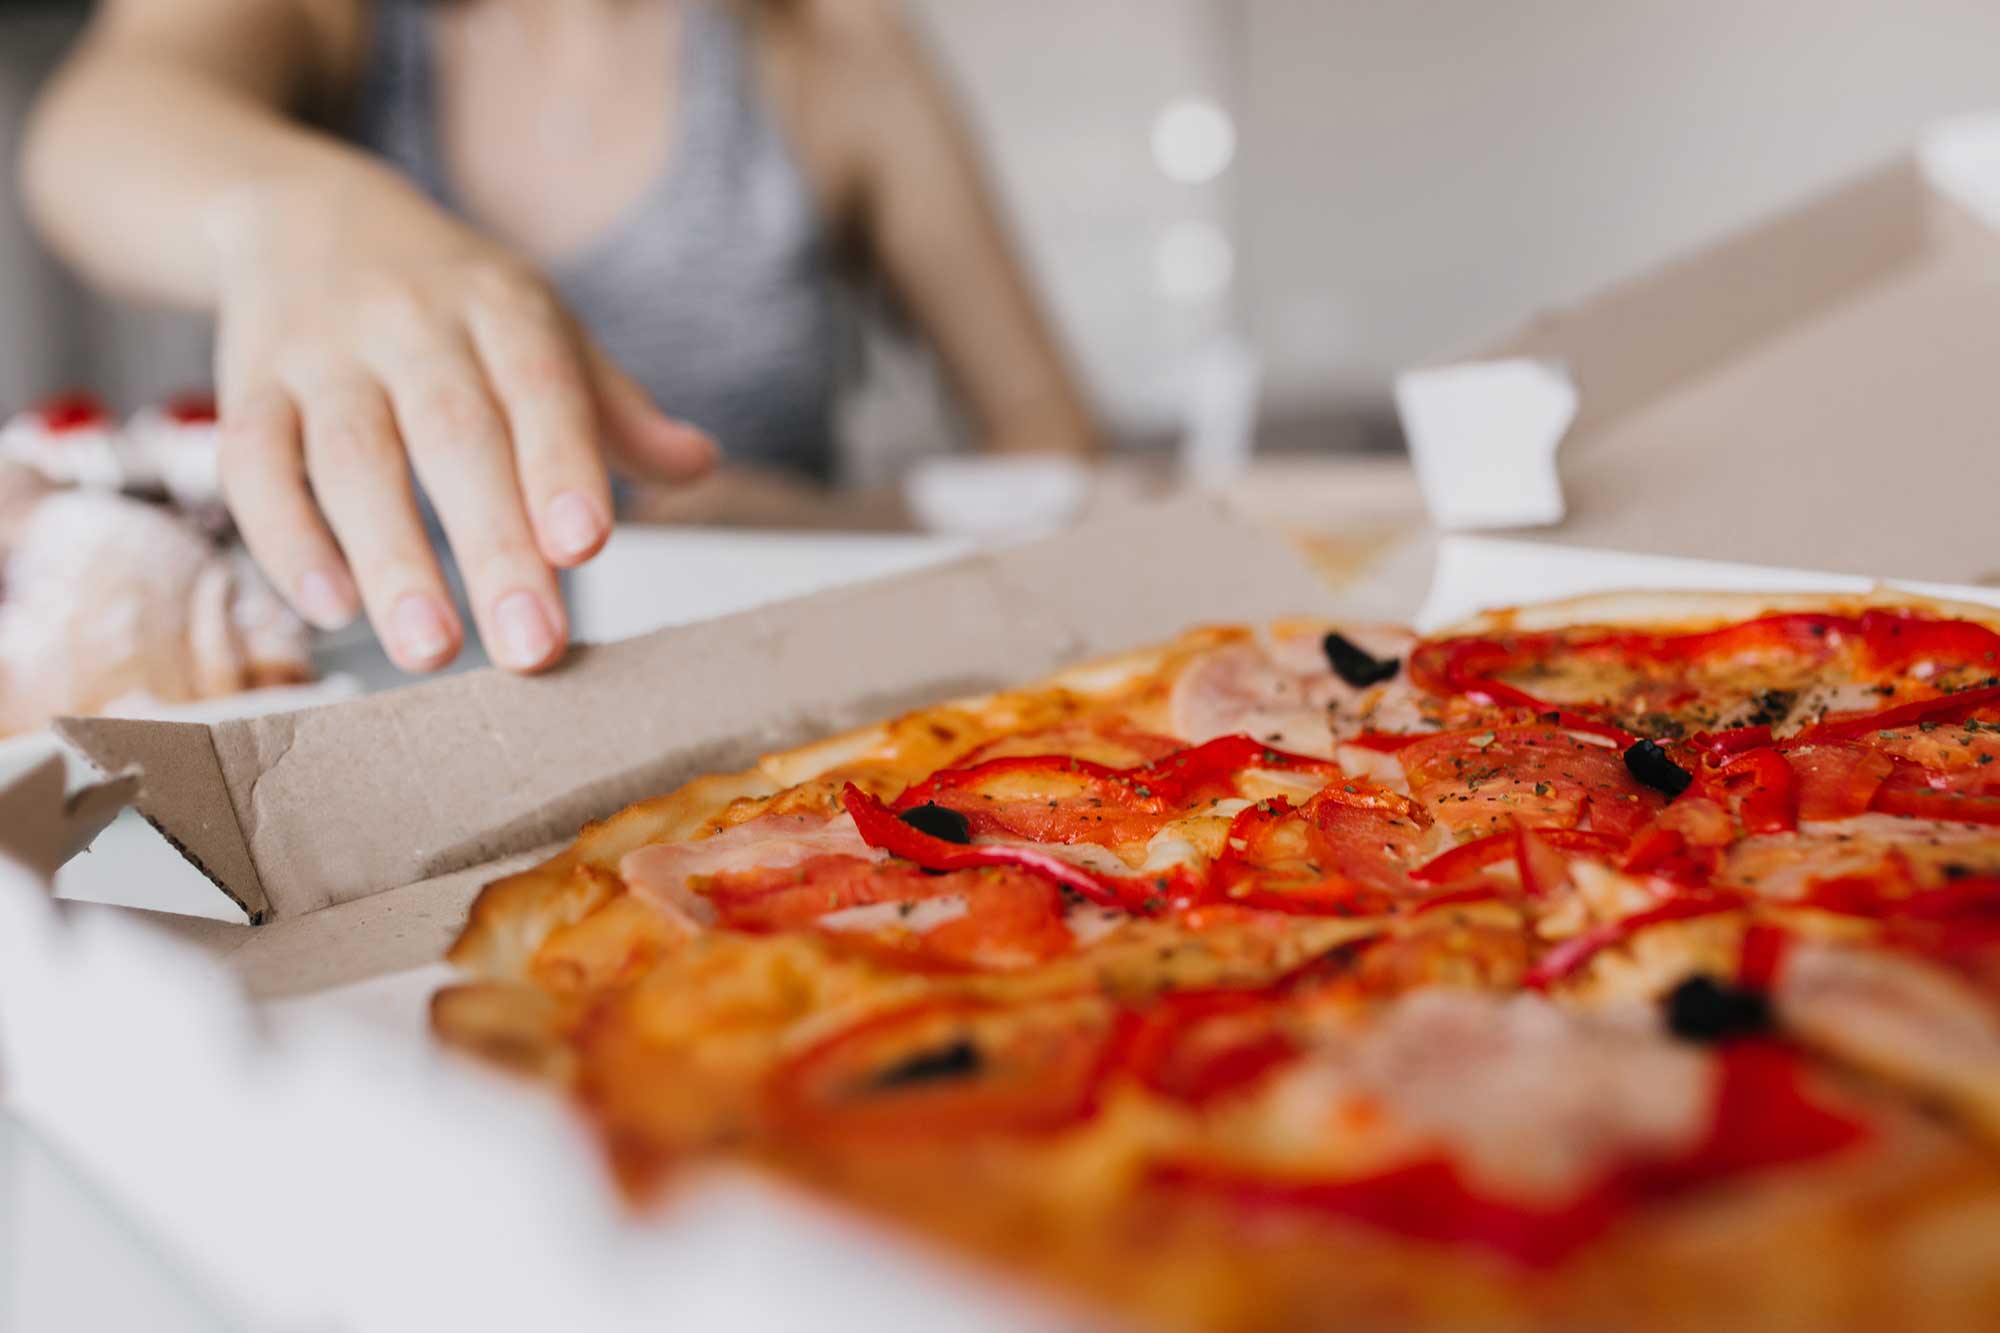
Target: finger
(646, 440)
(264, 484)
(359, 472)
(538, 375)
(458, 442)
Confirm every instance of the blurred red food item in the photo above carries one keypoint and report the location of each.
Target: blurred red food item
(72, 411)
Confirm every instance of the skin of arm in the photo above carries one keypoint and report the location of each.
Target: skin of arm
(362, 334)
(909, 177)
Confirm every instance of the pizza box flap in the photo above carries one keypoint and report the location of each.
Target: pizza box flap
(44, 821)
(294, 813)
(1816, 392)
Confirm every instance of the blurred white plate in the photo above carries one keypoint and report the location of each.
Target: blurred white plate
(997, 497)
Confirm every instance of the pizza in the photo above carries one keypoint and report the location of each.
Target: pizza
(1631, 961)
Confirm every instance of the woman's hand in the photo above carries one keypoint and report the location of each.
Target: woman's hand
(365, 336)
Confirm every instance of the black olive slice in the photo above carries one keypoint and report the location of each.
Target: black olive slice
(939, 821)
(1704, 1009)
(1649, 764)
(1356, 665)
(960, 1059)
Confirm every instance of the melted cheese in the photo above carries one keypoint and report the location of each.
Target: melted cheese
(1534, 1101)
(1898, 1017)
(916, 917)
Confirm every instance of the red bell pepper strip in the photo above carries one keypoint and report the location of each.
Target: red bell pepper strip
(1898, 639)
(1167, 782)
(1975, 896)
(1912, 797)
(1764, 789)
(1106, 781)
(1762, 955)
(1651, 849)
(1180, 777)
(1468, 858)
(1944, 708)
(1497, 694)
(1484, 892)
(1666, 854)
(1427, 1200)
(879, 827)
(1471, 857)
(1723, 745)
(1146, 1043)
(1238, 878)
(1539, 861)
(1466, 666)
(1574, 952)
(1811, 633)
(1895, 893)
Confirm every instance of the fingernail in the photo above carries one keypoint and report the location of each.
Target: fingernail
(422, 634)
(574, 525)
(527, 639)
(321, 600)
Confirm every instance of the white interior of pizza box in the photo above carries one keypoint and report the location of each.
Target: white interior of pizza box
(1815, 393)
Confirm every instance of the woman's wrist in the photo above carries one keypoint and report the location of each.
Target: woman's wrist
(297, 210)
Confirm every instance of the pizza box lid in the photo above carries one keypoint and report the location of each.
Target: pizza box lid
(354, 835)
(1817, 392)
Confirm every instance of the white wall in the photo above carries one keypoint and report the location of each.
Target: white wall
(1064, 95)
(1419, 174)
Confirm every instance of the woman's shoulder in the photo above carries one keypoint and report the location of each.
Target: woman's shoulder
(835, 29)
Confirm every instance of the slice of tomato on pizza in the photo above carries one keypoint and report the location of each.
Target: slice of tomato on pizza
(946, 1067)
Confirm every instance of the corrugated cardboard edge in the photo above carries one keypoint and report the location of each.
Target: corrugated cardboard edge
(1636, 340)
(43, 823)
(180, 792)
(1740, 402)
(393, 931)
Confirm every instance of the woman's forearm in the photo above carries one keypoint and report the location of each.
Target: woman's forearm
(147, 167)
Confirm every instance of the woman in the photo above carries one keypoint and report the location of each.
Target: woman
(468, 241)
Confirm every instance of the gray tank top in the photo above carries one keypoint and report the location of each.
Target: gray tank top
(716, 291)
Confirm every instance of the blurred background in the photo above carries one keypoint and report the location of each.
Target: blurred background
(1290, 198)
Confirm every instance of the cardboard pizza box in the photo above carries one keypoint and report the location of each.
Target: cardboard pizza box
(45, 819)
(1818, 392)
